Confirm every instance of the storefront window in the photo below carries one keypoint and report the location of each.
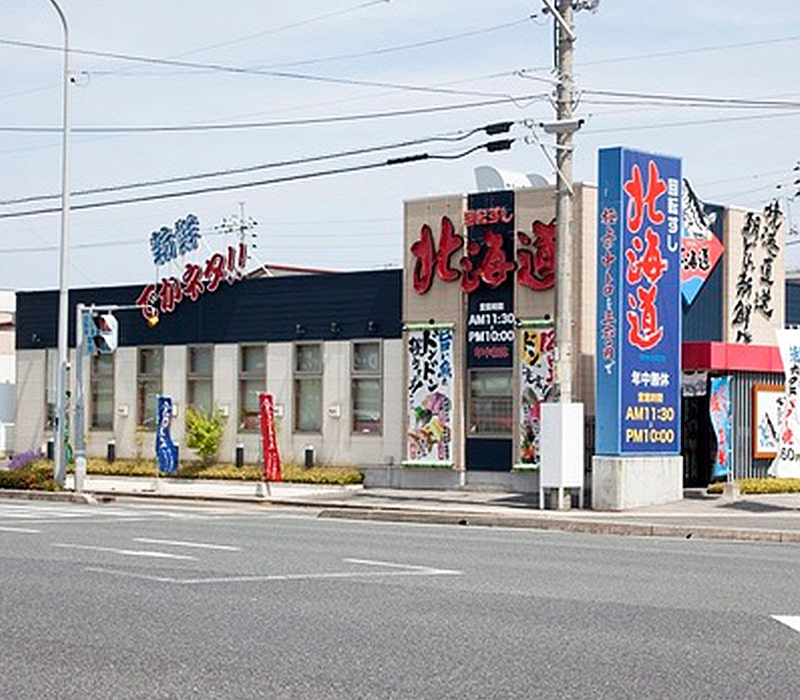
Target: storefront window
(490, 406)
(199, 393)
(148, 386)
(252, 381)
(366, 387)
(102, 393)
(308, 388)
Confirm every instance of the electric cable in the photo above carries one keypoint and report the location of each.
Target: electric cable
(491, 146)
(489, 129)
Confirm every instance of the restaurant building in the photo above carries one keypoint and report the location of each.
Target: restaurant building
(433, 375)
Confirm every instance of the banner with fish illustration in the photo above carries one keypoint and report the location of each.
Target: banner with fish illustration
(430, 397)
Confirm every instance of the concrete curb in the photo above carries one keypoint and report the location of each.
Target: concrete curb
(58, 496)
(596, 527)
(382, 513)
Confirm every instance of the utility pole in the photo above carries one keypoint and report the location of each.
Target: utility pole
(237, 224)
(563, 132)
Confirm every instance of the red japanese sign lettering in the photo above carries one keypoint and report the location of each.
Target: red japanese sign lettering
(424, 250)
(537, 268)
(643, 329)
(193, 283)
(643, 203)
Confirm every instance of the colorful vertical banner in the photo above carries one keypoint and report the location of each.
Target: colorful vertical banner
(638, 304)
(786, 464)
(488, 279)
(166, 450)
(720, 409)
(269, 439)
(430, 397)
(537, 363)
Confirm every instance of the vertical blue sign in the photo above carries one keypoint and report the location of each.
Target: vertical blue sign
(637, 378)
(166, 450)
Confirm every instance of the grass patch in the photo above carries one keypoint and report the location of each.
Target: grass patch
(760, 486)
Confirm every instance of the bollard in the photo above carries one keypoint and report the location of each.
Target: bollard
(111, 451)
(239, 455)
(309, 457)
(51, 449)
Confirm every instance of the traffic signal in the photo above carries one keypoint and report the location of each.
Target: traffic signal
(104, 333)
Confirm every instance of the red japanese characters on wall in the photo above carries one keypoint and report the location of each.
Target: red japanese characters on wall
(451, 259)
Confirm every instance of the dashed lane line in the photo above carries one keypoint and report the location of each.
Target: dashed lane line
(125, 552)
(182, 543)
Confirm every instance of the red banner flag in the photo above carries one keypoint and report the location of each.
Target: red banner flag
(272, 458)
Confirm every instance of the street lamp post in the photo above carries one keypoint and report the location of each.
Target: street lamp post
(63, 284)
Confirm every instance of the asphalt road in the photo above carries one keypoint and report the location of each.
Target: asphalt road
(176, 601)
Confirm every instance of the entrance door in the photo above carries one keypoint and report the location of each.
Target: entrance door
(698, 441)
(490, 420)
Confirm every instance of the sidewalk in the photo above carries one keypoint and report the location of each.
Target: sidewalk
(769, 518)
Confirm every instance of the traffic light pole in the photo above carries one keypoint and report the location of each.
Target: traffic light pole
(81, 350)
(80, 441)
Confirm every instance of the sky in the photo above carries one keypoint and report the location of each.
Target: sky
(163, 92)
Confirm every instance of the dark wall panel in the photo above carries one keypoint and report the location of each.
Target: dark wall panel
(311, 307)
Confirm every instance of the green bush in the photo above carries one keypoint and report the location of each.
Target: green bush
(37, 476)
(292, 473)
(761, 486)
(204, 433)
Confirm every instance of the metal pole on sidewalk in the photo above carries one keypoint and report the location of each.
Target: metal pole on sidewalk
(80, 442)
(60, 471)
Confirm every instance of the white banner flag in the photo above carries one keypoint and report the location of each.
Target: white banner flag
(786, 464)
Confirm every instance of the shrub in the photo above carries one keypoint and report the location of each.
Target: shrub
(756, 486)
(292, 473)
(204, 433)
(37, 475)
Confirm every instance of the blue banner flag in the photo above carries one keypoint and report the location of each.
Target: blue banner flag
(166, 450)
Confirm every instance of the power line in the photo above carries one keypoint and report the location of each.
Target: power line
(382, 51)
(691, 122)
(253, 71)
(491, 146)
(684, 52)
(518, 100)
(291, 25)
(489, 129)
(694, 100)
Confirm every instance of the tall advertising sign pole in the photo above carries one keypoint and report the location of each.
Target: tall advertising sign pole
(638, 343)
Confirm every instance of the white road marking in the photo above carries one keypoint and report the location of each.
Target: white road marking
(181, 543)
(792, 621)
(20, 529)
(124, 552)
(421, 569)
(397, 570)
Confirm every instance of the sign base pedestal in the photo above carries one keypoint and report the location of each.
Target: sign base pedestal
(619, 483)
